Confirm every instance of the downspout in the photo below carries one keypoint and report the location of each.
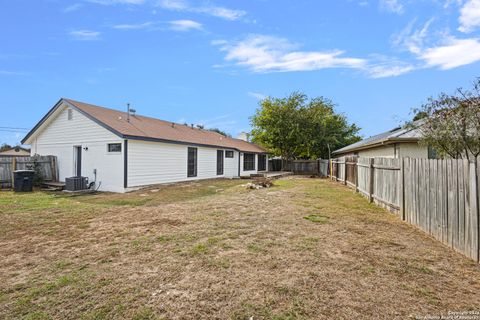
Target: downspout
(125, 164)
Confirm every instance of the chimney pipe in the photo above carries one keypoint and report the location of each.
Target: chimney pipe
(128, 112)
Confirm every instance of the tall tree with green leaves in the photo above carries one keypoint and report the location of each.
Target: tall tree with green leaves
(298, 127)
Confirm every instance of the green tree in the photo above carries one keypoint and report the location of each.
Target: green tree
(223, 133)
(5, 146)
(452, 123)
(299, 127)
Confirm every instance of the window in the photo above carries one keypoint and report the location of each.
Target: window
(248, 161)
(114, 147)
(229, 154)
(262, 162)
(192, 162)
(432, 153)
(219, 162)
(70, 114)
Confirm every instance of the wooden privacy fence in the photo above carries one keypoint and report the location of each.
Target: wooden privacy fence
(311, 167)
(439, 196)
(46, 166)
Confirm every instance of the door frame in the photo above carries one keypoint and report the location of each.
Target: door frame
(77, 161)
(221, 157)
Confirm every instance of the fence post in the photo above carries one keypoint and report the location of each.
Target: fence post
(345, 171)
(372, 176)
(475, 207)
(402, 189)
(355, 171)
(14, 167)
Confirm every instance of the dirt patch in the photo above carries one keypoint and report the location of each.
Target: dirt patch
(215, 250)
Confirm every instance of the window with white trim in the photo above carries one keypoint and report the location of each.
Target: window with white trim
(114, 147)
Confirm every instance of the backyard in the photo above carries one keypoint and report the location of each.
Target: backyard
(303, 249)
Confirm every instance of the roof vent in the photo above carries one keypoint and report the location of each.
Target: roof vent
(130, 111)
(173, 125)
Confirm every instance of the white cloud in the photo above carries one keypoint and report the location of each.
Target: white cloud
(173, 4)
(386, 70)
(256, 95)
(215, 11)
(185, 25)
(413, 40)
(12, 73)
(261, 53)
(393, 6)
(224, 13)
(439, 50)
(134, 26)
(73, 7)
(469, 16)
(85, 35)
(453, 53)
(112, 2)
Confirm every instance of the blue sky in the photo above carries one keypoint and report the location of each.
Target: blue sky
(209, 62)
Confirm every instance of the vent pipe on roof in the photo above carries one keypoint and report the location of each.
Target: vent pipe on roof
(130, 110)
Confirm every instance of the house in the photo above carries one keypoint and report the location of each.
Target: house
(121, 151)
(397, 143)
(15, 152)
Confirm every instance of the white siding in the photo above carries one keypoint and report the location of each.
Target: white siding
(157, 162)
(59, 137)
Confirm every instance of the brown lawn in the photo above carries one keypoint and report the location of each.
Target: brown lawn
(304, 249)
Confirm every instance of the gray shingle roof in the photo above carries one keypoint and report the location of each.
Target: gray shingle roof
(405, 133)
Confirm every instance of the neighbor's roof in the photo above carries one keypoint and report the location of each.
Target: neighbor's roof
(15, 151)
(151, 129)
(399, 134)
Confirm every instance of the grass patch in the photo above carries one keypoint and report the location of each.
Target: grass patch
(11, 202)
(256, 248)
(128, 202)
(199, 249)
(316, 218)
(142, 244)
(37, 315)
(144, 314)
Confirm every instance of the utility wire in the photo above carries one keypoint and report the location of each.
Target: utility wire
(16, 128)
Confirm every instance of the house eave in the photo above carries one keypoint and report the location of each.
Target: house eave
(377, 144)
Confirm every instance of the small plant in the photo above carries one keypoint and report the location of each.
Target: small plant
(37, 176)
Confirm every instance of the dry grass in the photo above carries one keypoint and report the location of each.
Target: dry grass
(304, 249)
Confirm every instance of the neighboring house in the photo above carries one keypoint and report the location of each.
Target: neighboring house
(122, 151)
(15, 152)
(397, 143)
